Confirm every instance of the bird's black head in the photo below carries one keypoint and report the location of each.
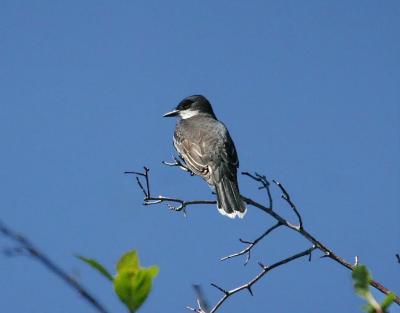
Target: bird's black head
(191, 106)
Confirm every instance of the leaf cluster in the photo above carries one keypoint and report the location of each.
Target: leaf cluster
(361, 280)
(131, 282)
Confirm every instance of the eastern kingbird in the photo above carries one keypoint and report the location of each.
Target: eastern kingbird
(205, 145)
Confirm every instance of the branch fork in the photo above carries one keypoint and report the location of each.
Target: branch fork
(280, 222)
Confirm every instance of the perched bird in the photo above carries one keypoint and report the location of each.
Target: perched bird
(205, 145)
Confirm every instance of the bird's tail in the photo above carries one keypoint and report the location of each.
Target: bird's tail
(229, 201)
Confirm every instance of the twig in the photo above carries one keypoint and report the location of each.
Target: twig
(179, 163)
(251, 244)
(201, 299)
(26, 246)
(199, 308)
(327, 252)
(146, 191)
(281, 221)
(265, 185)
(149, 200)
(182, 204)
(264, 270)
(286, 197)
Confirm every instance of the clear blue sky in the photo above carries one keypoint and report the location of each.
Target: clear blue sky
(310, 93)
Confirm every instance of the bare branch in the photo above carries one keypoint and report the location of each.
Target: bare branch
(328, 253)
(149, 200)
(146, 191)
(264, 270)
(265, 185)
(220, 289)
(281, 221)
(199, 308)
(286, 197)
(251, 244)
(182, 204)
(201, 299)
(27, 248)
(179, 163)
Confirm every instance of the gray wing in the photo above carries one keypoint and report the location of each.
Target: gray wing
(190, 151)
(207, 149)
(226, 161)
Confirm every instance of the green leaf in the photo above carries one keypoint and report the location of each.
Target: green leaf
(153, 271)
(132, 283)
(388, 301)
(368, 308)
(361, 280)
(96, 265)
(129, 261)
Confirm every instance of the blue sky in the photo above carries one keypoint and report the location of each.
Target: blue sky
(310, 93)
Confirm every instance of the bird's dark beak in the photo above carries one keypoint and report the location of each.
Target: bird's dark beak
(172, 113)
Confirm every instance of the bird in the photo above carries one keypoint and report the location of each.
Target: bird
(206, 147)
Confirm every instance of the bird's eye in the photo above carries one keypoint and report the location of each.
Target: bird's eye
(186, 105)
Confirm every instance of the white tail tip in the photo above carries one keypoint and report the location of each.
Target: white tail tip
(233, 214)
